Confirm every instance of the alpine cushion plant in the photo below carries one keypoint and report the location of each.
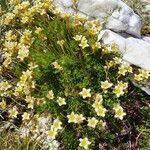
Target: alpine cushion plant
(64, 87)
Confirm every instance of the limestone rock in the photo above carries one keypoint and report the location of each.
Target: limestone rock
(146, 38)
(109, 37)
(138, 52)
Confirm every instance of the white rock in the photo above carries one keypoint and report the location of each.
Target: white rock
(109, 37)
(146, 38)
(135, 51)
(138, 52)
(121, 17)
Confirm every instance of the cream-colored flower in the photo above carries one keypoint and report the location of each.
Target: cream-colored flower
(84, 43)
(3, 104)
(145, 74)
(8, 17)
(26, 39)
(72, 117)
(23, 52)
(97, 104)
(122, 70)
(101, 124)
(106, 85)
(13, 112)
(92, 122)
(38, 30)
(85, 93)
(53, 145)
(138, 77)
(84, 142)
(117, 60)
(57, 66)
(119, 113)
(25, 116)
(9, 36)
(14, 2)
(78, 37)
(79, 118)
(56, 125)
(61, 43)
(99, 98)
(101, 111)
(30, 100)
(50, 95)
(52, 134)
(4, 87)
(75, 118)
(61, 101)
(119, 89)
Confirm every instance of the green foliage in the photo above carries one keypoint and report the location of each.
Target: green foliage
(78, 68)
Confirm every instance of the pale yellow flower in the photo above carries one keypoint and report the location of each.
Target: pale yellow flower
(97, 104)
(38, 30)
(92, 122)
(30, 100)
(61, 101)
(119, 89)
(98, 45)
(3, 104)
(85, 93)
(79, 118)
(101, 124)
(52, 134)
(101, 111)
(61, 43)
(78, 37)
(13, 112)
(145, 74)
(75, 118)
(9, 36)
(122, 70)
(84, 43)
(119, 113)
(57, 66)
(4, 87)
(106, 85)
(23, 52)
(117, 60)
(50, 95)
(99, 98)
(71, 117)
(8, 17)
(56, 125)
(25, 116)
(26, 38)
(138, 77)
(84, 142)
(14, 2)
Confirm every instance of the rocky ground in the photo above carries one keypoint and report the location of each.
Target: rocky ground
(142, 7)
